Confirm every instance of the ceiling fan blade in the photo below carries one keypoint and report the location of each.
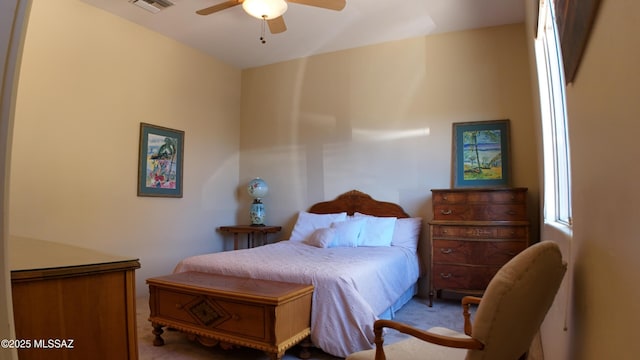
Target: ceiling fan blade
(325, 4)
(219, 7)
(277, 25)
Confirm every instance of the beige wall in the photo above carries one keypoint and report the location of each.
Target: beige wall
(88, 79)
(595, 313)
(603, 111)
(379, 119)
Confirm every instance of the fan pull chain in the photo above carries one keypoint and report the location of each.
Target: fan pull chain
(264, 25)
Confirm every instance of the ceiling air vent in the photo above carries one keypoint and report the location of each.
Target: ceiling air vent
(153, 6)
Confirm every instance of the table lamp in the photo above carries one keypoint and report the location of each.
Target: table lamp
(258, 189)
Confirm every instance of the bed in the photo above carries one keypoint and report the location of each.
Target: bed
(360, 255)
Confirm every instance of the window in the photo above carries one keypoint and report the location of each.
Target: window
(557, 179)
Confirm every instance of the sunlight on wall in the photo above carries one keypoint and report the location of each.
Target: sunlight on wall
(381, 135)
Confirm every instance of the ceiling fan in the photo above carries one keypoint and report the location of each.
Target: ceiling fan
(271, 11)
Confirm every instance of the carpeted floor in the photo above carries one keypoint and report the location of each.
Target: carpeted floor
(178, 347)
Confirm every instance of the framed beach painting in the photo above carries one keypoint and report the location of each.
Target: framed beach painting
(160, 161)
(481, 155)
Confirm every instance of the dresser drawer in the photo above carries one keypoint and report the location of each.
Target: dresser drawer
(480, 196)
(480, 204)
(449, 198)
(497, 197)
(494, 253)
(480, 232)
(460, 277)
(216, 314)
(485, 212)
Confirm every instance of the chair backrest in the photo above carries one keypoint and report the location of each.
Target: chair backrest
(516, 302)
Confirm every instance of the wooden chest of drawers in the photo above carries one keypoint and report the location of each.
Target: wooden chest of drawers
(267, 315)
(473, 233)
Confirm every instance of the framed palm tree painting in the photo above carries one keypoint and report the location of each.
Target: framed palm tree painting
(481, 154)
(160, 161)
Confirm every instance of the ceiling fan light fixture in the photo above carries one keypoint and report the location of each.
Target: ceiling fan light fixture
(265, 9)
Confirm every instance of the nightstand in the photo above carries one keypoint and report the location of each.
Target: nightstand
(256, 235)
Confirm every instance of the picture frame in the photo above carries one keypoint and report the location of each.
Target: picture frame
(160, 161)
(481, 154)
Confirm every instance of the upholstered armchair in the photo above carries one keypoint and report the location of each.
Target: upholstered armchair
(507, 318)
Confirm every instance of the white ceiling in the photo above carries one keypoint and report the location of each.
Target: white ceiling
(233, 36)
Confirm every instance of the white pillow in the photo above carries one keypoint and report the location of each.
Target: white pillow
(406, 233)
(321, 238)
(377, 231)
(347, 233)
(307, 223)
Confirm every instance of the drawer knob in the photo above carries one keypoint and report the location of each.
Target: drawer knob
(445, 276)
(235, 317)
(446, 212)
(446, 251)
(482, 232)
(178, 306)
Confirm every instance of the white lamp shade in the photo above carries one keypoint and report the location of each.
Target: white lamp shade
(257, 188)
(265, 9)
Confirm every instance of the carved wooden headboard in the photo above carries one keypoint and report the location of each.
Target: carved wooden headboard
(356, 201)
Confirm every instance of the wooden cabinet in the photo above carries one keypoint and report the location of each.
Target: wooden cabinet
(473, 233)
(267, 315)
(72, 303)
